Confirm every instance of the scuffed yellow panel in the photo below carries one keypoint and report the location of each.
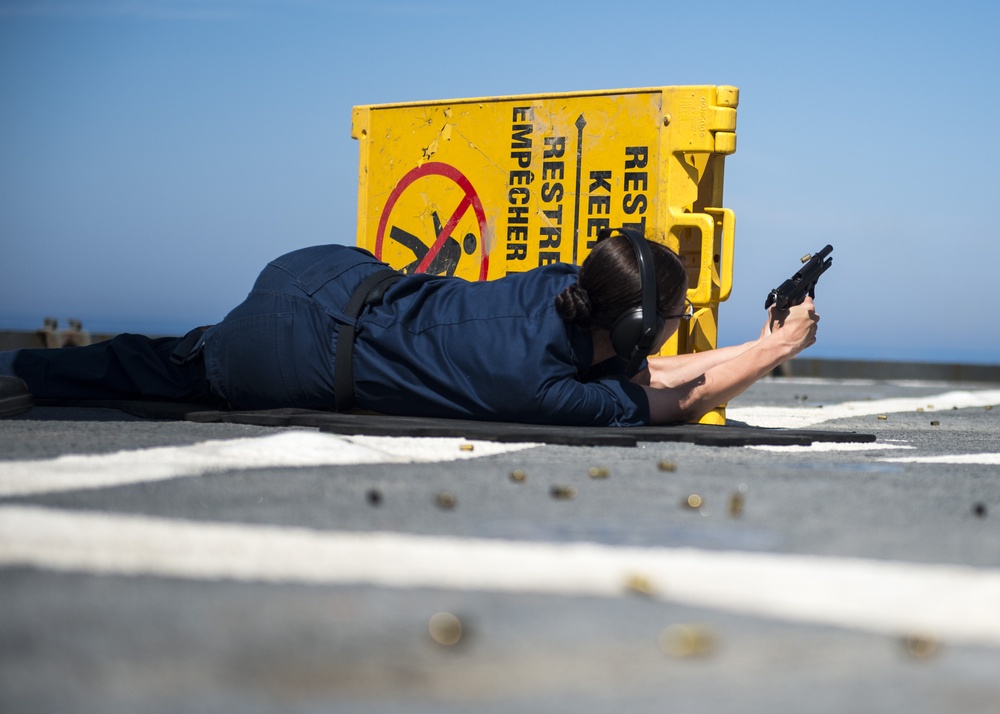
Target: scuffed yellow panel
(479, 188)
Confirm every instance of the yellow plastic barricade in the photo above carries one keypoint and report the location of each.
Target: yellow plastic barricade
(480, 188)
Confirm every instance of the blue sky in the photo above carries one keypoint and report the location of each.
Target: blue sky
(154, 154)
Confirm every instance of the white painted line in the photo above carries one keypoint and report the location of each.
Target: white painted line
(976, 459)
(825, 446)
(804, 417)
(286, 449)
(954, 603)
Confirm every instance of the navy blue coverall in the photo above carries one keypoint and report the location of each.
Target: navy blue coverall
(435, 346)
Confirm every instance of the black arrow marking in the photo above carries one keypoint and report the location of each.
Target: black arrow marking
(580, 123)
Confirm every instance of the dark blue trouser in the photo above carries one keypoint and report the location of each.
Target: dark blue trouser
(276, 349)
(124, 367)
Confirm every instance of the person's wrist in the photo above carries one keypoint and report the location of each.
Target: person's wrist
(779, 348)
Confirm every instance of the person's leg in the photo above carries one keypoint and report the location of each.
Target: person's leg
(274, 350)
(14, 396)
(124, 367)
(7, 363)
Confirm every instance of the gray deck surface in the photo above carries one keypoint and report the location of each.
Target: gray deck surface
(165, 621)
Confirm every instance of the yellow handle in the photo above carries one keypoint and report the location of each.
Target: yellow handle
(702, 294)
(728, 220)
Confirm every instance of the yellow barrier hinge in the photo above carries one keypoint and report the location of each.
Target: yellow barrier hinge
(727, 96)
(722, 119)
(701, 119)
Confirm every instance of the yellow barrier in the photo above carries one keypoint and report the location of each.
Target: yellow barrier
(480, 188)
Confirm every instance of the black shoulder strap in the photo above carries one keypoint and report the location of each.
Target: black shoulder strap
(368, 292)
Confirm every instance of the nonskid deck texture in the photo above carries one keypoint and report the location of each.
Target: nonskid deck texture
(197, 560)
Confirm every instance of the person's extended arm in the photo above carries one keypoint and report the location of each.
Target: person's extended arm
(702, 385)
(674, 370)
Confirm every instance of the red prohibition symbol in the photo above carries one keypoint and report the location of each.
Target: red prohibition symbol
(470, 199)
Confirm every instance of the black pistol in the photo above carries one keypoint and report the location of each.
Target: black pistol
(794, 290)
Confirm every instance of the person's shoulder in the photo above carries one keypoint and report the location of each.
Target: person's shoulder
(554, 272)
(560, 269)
(530, 284)
(535, 284)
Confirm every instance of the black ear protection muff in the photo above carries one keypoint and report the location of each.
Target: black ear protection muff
(634, 332)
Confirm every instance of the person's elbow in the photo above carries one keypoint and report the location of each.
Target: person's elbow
(684, 403)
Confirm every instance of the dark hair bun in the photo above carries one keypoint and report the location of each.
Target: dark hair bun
(573, 305)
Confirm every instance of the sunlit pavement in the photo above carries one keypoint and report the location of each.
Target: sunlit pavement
(155, 566)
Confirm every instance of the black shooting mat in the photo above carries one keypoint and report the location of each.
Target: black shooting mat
(352, 424)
